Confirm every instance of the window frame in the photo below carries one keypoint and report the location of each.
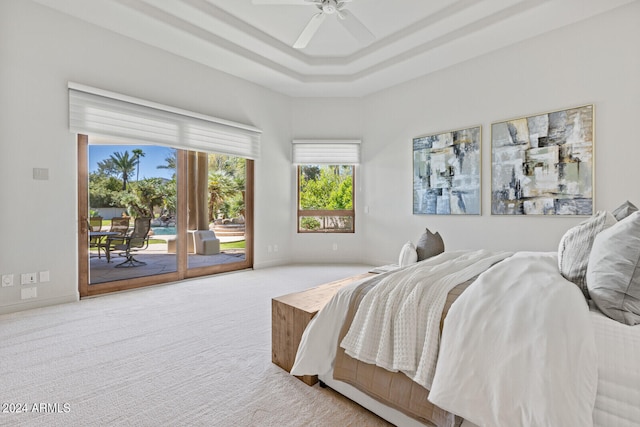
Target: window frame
(326, 212)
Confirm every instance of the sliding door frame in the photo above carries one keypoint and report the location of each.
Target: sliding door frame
(183, 271)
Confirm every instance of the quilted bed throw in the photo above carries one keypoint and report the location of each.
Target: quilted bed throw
(397, 325)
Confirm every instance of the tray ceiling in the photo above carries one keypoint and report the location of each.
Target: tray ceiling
(254, 41)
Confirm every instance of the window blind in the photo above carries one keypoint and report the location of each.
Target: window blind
(107, 115)
(327, 152)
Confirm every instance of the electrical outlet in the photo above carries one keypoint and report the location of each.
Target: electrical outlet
(275, 248)
(7, 280)
(28, 293)
(28, 278)
(335, 246)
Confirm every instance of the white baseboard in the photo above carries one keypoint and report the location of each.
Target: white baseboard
(38, 303)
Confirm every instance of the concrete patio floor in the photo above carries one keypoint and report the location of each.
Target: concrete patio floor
(157, 260)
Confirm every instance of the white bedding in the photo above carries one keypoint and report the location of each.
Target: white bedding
(618, 398)
(617, 402)
(319, 343)
(317, 349)
(397, 325)
(518, 349)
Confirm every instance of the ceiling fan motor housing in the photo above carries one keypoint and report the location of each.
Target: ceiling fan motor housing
(329, 6)
(332, 7)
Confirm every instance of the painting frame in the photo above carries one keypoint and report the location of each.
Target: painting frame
(447, 172)
(544, 164)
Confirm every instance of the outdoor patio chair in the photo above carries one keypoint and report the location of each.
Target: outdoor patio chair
(95, 224)
(136, 240)
(120, 225)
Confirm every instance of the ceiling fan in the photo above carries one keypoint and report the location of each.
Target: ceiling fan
(326, 7)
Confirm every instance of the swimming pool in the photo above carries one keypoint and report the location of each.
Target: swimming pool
(161, 231)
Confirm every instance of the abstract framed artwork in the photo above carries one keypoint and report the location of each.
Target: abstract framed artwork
(446, 173)
(543, 164)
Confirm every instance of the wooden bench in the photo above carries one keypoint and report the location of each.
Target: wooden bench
(290, 315)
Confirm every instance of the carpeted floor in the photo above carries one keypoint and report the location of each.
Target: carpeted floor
(196, 353)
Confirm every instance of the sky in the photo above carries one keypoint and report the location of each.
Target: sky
(153, 156)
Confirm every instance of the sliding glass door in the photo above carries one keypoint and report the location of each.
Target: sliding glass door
(132, 192)
(154, 214)
(147, 213)
(217, 226)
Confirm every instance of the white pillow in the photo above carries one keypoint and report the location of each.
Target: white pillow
(408, 255)
(575, 247)
(613, 274)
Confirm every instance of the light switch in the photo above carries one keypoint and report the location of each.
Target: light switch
(41, 174)
(28, 278)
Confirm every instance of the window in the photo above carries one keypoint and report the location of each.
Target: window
(326, 199)
(326, 183)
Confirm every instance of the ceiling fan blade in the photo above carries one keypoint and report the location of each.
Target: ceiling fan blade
(355, 27)
(309, 30)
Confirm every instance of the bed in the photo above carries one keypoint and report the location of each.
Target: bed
(477, 337)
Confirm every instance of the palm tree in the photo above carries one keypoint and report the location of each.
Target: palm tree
(137, 153)
(124, 165)
(171, 162)
(221, 186)
(232, 166)
(106, 168)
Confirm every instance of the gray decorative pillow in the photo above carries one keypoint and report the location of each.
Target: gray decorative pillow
(429, 245)
(613, 274)
(575, 247)
(624, 210)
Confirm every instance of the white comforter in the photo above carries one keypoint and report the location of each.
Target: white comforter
(397, 325)
(319, 343)
(518, 349)
(618, 399)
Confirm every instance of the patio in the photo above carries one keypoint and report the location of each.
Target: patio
(158, 261)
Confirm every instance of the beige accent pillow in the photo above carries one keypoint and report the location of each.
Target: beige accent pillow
(613, 274)
(575, 247)
(429, 245)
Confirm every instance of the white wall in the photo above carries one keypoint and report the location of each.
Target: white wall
(593, 62)
(596, 61)
(327, 118)
(40, 51)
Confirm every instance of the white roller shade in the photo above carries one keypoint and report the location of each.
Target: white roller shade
(107, 115)
(326, 152)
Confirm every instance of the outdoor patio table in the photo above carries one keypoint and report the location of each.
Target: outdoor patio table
(99, 236)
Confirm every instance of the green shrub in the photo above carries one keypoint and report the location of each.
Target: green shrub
(310, 223)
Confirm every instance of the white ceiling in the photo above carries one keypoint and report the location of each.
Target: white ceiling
(253, 41)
